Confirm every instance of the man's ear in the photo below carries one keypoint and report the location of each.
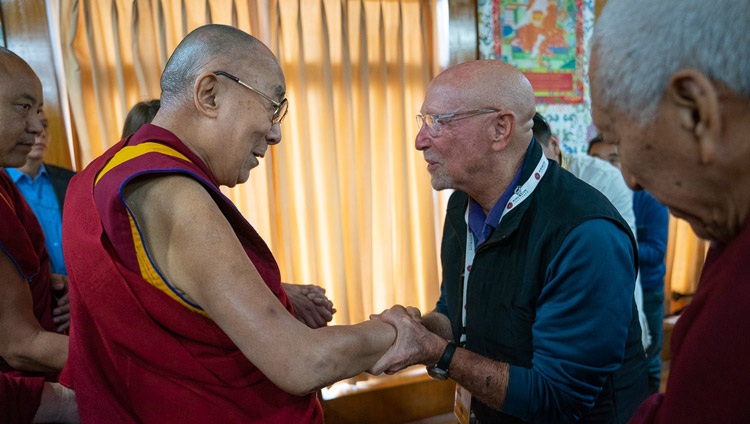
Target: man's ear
(205, 94)
(504, 127)
(554, 143)
(695, 100)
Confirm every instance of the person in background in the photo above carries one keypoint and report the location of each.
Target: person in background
(29, 345)
(536, 321)
(591, 170)
(670, 88)
(604, 151)
(43, 186)
(209, 334)
(141, 113)
(652, 232)
(311, 305)
(608, 181)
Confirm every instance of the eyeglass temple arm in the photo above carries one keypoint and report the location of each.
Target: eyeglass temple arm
(230, 76)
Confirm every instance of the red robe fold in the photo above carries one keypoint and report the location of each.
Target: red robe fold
(22, 239)
(137, 354)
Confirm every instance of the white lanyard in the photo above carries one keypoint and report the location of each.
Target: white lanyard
(519, 195)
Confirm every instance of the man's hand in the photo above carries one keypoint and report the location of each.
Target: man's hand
(58, 405)
(311, 306)
(61, 313)
(414, 343)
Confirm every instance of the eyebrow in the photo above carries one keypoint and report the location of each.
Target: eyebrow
(30, 97)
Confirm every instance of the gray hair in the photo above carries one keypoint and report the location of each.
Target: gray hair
(640, 44)
(203, 48)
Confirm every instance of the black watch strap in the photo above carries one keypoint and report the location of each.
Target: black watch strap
(445, 360)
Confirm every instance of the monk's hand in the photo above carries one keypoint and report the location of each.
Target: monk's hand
(311, 306)
(61, 312)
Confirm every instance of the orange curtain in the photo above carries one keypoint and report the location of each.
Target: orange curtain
(685, 255)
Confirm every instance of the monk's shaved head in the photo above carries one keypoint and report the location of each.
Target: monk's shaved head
(211, 48)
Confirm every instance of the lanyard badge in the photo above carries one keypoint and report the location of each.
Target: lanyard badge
(462, 404)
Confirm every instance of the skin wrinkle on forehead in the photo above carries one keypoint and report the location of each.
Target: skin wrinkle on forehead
(483, 84)
(264, 65)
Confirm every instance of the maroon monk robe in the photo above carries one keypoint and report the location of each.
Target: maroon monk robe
(140, 353)
(22, 239)
(709, 374)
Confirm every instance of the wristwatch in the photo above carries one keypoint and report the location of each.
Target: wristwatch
(439, 371)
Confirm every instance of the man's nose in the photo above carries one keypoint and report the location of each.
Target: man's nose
(34, 123)
(630, 179)
(274, 134)
(423, 139)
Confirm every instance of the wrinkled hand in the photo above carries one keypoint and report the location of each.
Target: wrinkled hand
(61, 313)
(69, 407)
(311, 306)
(414, 343)
(58, 405)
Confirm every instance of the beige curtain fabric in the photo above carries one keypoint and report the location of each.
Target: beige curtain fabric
(344, 201)
(685, 255)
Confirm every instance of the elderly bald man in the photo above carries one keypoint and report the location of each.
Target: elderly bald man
(178, 312)
(536, 320)
(670, 87)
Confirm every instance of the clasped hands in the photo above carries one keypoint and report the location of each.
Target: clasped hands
(311, 306)
(414, 343)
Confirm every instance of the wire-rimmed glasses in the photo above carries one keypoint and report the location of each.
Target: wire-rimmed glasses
(281, 107)
(433, 122)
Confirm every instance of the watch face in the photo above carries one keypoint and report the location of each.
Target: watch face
(437, 373)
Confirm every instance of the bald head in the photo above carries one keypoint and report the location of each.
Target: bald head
(20, 105)
(211, 48)
(491, 84)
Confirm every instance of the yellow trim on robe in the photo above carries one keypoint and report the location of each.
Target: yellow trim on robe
(129, 152)
(148, 272)
(12, 207)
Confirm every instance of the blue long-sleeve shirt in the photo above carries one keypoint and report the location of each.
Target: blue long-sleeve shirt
(652, 228)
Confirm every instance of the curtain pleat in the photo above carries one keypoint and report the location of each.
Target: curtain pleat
(685, 256)
(344, 201)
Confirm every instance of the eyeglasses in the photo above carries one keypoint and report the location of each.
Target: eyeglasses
(434, 122)
(281, 108)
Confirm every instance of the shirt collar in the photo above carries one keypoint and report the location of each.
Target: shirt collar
(16, 174)
(481, 225)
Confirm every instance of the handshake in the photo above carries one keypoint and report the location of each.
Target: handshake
(419, 340)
